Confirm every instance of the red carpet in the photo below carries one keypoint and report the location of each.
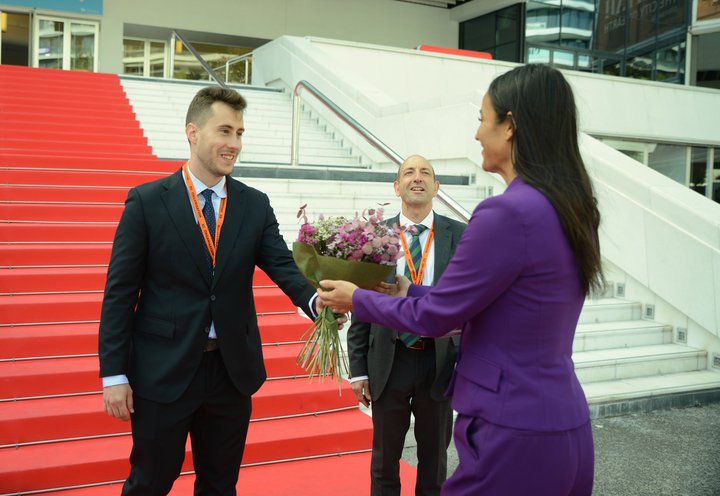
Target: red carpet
(61, 195)
(331, 476)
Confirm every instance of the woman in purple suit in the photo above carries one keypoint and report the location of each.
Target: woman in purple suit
(516, 285)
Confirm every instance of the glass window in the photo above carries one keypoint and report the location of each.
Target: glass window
(82, 47)
(611, 67)
(670, 161)
(610, 30)
(65, 44)
(478, 34)
(563, 58)
(144, 57)
(699, 169)
(507, 23)
(15, 39)
(50, 46)
(498, 33)
(157, 59)
(542, 23)
(577, 19)
(538, 55)
(670, 62)
(636, 150)
(509, 52)
(640, 67)
(188, 67)
(584, 62)
(133, 57)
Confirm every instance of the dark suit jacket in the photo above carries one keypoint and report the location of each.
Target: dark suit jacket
(160, 298)
(371, 347)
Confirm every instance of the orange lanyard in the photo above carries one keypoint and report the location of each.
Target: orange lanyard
(210, 243)
(416, 275)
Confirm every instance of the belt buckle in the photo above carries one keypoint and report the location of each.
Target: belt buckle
(420, 345)
(211, 345)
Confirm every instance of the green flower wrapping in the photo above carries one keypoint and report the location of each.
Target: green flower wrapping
(321, 355)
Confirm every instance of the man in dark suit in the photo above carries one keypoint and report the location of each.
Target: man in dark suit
(179, 344)
(400, 376)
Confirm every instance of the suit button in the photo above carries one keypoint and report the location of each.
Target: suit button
(212, 297)
(207, 330)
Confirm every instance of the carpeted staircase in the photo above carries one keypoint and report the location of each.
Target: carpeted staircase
(70, 147)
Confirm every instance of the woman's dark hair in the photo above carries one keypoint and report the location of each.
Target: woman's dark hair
(546, 155)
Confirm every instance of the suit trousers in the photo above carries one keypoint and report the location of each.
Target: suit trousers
(408, 391)
(502, 461)
(213, 412)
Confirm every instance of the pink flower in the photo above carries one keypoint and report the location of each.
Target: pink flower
(361, 238)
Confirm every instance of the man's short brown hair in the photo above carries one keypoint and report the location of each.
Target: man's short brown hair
(199, 108)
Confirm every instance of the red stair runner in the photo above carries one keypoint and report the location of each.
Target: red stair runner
(60, 199)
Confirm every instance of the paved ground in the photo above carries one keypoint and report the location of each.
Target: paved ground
(663, 453)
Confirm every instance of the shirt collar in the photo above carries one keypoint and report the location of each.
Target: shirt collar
(427, 221)
(219, 188)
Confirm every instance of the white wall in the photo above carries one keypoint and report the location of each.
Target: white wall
(386, 22)
(390, 81)
(661, 234)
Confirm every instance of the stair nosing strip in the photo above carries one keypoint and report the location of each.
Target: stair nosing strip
(128, 433)
(189, 472)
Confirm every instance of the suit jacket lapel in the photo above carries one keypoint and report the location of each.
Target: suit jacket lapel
(177, 203)
(443, 238)
(234, 214)
(391, 222)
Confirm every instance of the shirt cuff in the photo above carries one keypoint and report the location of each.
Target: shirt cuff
(114, 380)
(359, 378)
(311, 304)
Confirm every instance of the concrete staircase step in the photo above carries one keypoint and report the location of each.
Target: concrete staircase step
(268, 116)
(620, 334)
(642, 361)
(609, 310)
(643, 394)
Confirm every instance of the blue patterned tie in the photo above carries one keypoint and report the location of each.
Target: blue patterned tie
(209, 214)
(416, 255)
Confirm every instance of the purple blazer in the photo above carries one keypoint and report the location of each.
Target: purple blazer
(515, 288)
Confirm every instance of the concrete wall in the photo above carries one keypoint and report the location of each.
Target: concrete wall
(384, 22)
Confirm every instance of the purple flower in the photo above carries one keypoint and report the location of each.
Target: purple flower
(357, 239)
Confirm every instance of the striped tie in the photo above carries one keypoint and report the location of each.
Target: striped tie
(416, 255)
(209, 214)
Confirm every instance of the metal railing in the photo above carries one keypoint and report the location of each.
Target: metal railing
(223, 82)
(200, 59)
(247, 59)
(385, 150)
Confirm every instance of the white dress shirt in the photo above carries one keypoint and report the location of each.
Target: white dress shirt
(429, 274)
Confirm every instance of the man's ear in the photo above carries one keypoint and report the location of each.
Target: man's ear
(191, 131)
(396, 187)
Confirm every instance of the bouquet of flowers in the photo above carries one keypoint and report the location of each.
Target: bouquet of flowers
(361, 250)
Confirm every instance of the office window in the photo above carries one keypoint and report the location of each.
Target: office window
(498, 33)
(65, 44)
(143, 57)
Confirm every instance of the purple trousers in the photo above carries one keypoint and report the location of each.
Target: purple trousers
(501, 461)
